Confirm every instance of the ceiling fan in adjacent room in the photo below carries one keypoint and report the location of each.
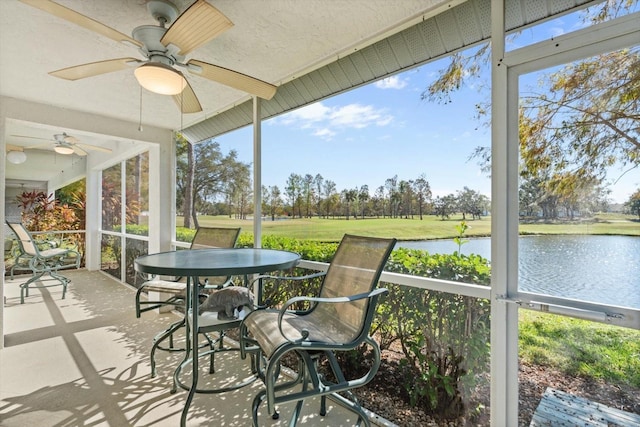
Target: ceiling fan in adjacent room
(163, 49)
(65, 144)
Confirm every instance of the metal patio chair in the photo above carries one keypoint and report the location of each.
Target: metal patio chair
(205, 238)
(41, 258)
(337, 320)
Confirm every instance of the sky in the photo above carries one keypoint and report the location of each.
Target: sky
(384, 129)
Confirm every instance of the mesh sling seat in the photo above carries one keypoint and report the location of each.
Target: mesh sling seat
(338, 319)
(41, 261)
(205, 238)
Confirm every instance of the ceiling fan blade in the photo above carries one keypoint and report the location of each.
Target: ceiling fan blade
(10, 147)
(81, 20)
(197, 25)
(35, 147)
(94, 68)
(32, 137)
(92, 147)
(79, 151)
(187, 101)
(232, 78)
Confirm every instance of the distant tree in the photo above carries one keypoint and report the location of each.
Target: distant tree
(582, 119)
(329, 191)
(423, 193)
(204, 175)
(391, 185)
(363, 197)
(334, 203)
(633, 204)
(530, 194)
(294, 192)
(318, 182)
(380, 199)
(308, 193)
(238, 190)
(471, 202)
(185, 170)
(445, 206)
(348, 197)
(272, 200)
(405, 195)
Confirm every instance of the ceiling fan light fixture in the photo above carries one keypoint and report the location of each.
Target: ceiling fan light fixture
(63, 149)
(160, 78)
(16, 157)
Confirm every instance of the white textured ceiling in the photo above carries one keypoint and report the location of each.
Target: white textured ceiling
(270, 40)
(273, 40)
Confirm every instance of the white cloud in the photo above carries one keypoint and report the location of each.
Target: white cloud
(324, 133)
(313, 113)
(326, 121)
(393, 82)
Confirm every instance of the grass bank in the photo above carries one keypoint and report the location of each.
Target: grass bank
(430, 227)
(581, 348)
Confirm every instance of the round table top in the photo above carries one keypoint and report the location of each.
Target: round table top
(216, 262)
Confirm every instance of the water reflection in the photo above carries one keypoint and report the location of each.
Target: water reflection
(592, 268)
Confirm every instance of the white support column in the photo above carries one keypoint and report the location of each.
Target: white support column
(93, 219)
(257, 172)
(504, 232)
(162, 194)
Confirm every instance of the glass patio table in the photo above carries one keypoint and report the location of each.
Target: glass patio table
(193, 264)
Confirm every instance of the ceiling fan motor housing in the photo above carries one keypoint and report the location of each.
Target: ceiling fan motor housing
(149, 36)
(162, 11)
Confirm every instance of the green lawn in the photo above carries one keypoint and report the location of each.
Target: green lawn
(430, 227)
(580, 348)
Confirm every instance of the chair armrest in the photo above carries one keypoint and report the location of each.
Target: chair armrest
(335, 300)
(308, 276)
(264, 304)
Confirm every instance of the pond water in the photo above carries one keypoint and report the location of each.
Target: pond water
(603, 269)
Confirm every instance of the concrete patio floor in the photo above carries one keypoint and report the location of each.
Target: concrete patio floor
(84, 361)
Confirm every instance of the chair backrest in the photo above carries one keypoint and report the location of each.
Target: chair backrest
(27, 243)
(355, 269)
(215, 237)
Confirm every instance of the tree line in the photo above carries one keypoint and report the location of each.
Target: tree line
(222, 185)
(212, 183)
(313, 195)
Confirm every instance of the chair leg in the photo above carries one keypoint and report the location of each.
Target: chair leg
(212, 345)
(167, 333)
(62, 279)
(24, 287)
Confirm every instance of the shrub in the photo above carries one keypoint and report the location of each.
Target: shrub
(444, 337)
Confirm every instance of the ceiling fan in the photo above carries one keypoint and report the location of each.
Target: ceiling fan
(65, 144)
(163, 49)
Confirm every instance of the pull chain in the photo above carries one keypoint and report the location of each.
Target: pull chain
(140, 122)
